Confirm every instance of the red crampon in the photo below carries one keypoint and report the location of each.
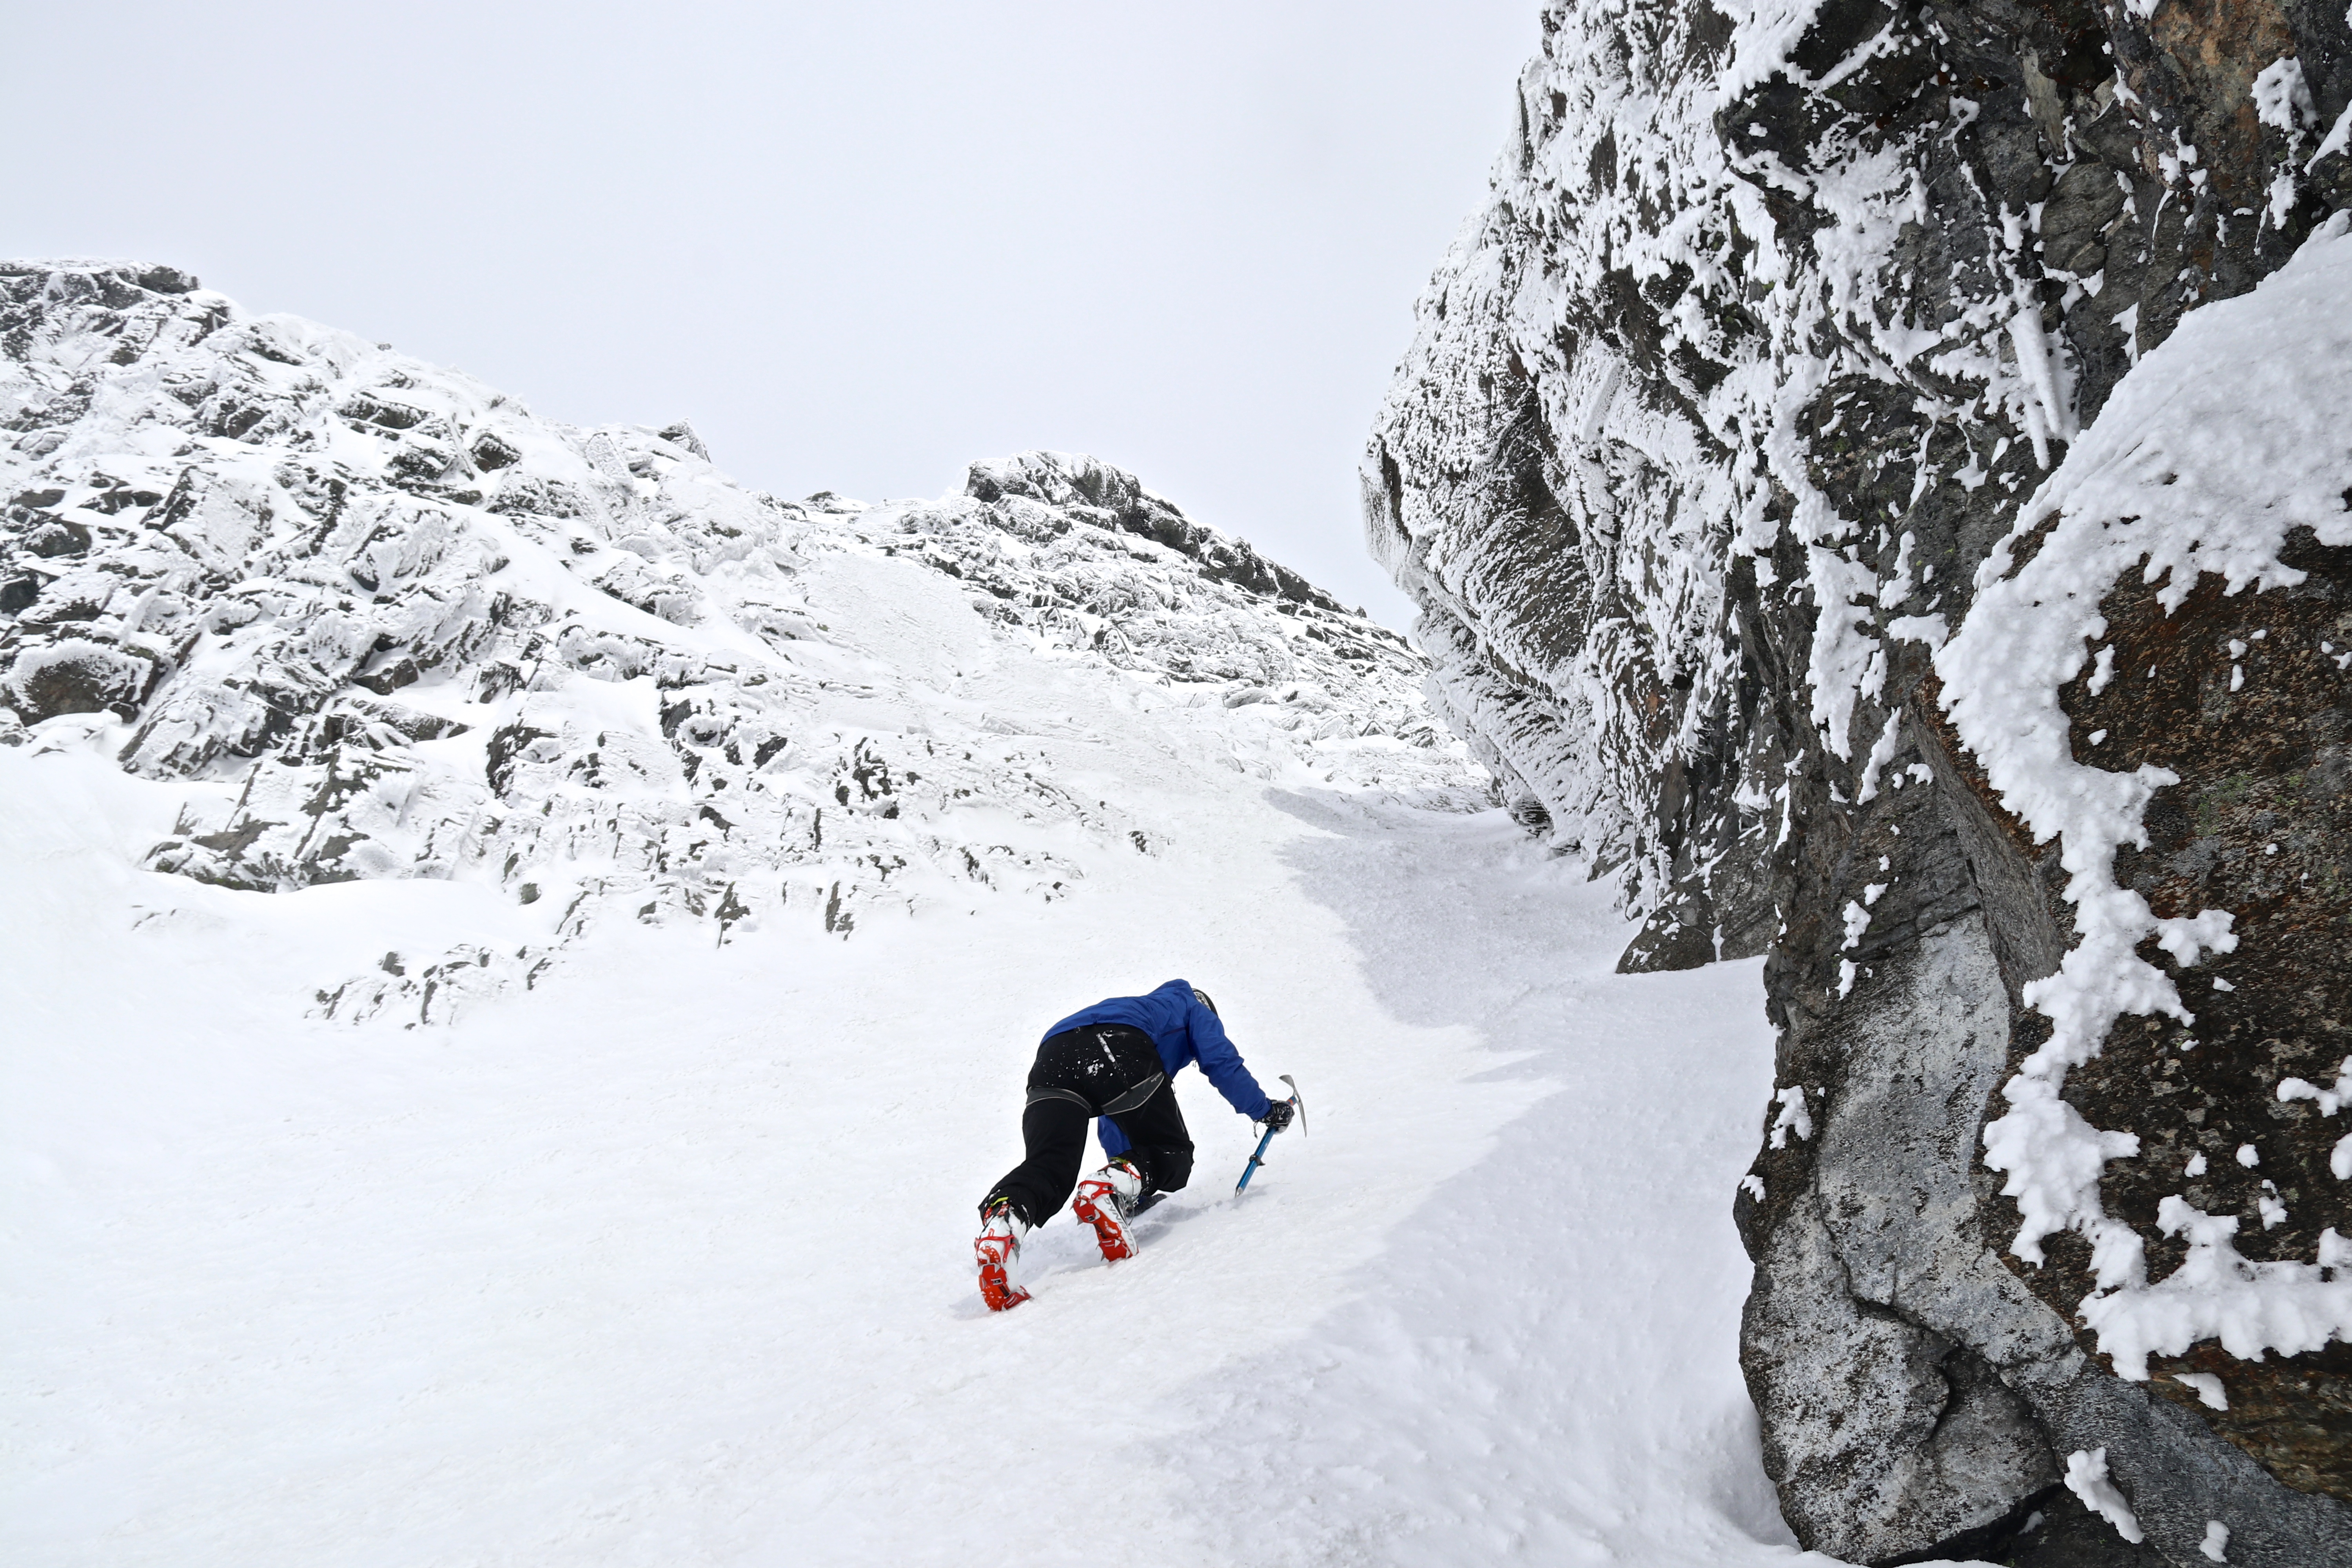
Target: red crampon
(998, 1246)
(1105, 1200)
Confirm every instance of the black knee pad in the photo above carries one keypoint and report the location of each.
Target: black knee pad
(1165, 1170)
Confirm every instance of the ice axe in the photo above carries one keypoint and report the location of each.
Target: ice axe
(1257, 1156)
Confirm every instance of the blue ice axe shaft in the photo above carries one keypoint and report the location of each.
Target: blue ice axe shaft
(1257, 1155)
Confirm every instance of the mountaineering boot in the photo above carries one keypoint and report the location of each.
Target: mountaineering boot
(996, 1250)
(1105, 1200)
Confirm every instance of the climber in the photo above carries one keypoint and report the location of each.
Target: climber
(1115, 1061)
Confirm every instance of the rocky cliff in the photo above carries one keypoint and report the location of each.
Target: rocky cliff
(375, 620)
(1876, 482)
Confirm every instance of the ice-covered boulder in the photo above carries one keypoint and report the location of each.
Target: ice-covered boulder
(1858, 498)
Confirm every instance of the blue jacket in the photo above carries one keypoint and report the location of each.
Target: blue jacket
(1183, 1032)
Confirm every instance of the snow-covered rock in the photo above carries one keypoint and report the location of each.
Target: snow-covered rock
(1786, 339)
(382, 622)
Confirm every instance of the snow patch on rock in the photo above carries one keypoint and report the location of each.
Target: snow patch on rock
(2087, 1478)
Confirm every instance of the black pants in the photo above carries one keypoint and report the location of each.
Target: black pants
(1100, 1070)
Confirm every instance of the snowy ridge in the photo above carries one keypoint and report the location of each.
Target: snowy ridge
(380, 622)
(2180, 477)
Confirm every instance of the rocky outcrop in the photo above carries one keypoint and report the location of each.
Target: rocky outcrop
(376, 621)
(1860, 498)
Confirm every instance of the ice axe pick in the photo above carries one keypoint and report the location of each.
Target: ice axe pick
(1257, 1156)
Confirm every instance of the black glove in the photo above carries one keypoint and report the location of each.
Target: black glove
(1278, 1114)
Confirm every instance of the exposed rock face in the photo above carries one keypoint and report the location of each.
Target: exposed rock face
(1811, 527)
(384, 623)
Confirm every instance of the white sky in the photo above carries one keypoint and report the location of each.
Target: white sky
(860, 243)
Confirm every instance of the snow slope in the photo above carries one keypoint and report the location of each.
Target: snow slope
(666, 1263)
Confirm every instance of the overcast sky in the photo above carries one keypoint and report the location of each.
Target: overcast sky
(859, 243)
